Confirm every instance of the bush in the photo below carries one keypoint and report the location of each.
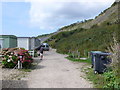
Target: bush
(12, 55)
(115, 49)
(111, 80)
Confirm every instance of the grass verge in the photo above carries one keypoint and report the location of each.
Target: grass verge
(97, 79)
(106, 80)
(79, 60)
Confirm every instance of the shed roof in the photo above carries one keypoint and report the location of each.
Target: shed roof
(8, 36)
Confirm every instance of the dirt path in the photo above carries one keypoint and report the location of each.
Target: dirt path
(57, 72)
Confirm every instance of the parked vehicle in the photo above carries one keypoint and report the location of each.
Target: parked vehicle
(45, 46)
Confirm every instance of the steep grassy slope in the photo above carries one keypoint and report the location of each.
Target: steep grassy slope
(94, 34)
(83, 39)
(103, 16)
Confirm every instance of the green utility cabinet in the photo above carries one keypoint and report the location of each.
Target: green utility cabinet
(8, 41)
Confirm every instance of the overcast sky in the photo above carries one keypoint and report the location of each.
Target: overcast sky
(36, 17)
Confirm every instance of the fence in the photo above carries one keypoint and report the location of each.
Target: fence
(77, 54)
(32, 53)
(74, 54)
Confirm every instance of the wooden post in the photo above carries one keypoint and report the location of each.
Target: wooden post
(69, 52)
(79, 55)
(84, 53)
(73, 54)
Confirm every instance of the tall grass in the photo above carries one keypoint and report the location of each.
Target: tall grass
(113, 77)
(115, 49)
(109, 80)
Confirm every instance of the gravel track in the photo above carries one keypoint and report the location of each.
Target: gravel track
(54, 71)
(12, 78)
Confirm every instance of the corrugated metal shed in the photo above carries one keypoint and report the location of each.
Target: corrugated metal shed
(8, 41)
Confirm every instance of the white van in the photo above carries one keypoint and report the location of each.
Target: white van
(45, 46)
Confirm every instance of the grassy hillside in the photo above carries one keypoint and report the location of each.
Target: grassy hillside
(87, 24)
(97, 37)
(83, 39)
(44, 35)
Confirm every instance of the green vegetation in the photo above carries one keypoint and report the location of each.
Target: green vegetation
(107, 80)
(39, 36)
(11, 56)
(83, 40)
(79, 60)
(75, 38)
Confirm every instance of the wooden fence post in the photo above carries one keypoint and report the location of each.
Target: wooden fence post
(84, 53)
(79, 55)
(73, 54)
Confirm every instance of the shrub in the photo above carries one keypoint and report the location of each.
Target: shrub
(114, 76)
(12, 55)
(115, 49)
(111, 80)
